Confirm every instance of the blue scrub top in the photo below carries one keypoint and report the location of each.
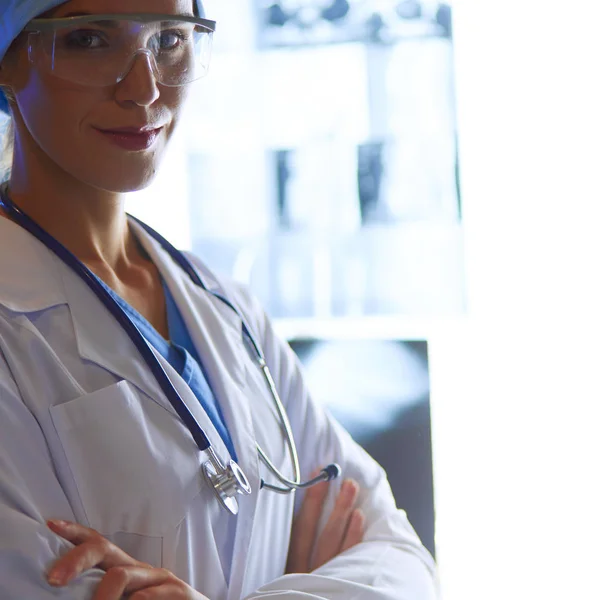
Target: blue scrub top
(182, 355)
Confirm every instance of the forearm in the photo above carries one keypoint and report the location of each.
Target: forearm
(391, 563)
(365, 572)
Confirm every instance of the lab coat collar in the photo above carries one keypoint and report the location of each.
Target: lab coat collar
(34, 279)
(28, 281)
(37, 288)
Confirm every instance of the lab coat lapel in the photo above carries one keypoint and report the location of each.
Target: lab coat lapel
(104, 342)
(47, 282)
(216, 331)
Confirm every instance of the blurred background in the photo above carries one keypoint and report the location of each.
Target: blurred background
(337, 121)
(318, 159)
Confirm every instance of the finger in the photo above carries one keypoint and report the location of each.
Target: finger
(120, 581)
(355, 530)
(91, 550)
(305, 528)
(331, 538)
(81, 558)
(73, 532)
(76, 561)
(78, 534)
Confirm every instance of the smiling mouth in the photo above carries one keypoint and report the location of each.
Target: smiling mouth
(133, 140)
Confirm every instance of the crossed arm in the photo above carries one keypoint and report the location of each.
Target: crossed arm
(389, 563)
(27, 545)
(127, 577)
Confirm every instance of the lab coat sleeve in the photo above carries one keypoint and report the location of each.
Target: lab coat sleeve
(29, 494)
(390, 563)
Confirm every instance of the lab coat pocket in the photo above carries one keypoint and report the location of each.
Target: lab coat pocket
(136, 467)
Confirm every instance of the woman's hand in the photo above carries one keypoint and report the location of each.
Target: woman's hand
(343, 529)
(124, 576)
(127, 576)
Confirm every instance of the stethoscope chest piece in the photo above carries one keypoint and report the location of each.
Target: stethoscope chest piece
(226, 482)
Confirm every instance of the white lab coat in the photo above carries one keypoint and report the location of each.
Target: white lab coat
(87, 435)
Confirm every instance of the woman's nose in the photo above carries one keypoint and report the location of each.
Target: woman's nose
(139, 85)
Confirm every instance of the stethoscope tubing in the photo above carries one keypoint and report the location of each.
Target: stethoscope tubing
(186, 265)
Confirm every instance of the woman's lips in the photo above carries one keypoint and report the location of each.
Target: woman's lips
(132, 140)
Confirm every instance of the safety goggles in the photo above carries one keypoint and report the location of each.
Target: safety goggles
(100, 50)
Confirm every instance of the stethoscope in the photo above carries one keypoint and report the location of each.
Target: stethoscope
(227, 481)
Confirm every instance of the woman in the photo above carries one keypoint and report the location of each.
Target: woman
(90, 434)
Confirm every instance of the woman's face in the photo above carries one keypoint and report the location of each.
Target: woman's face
(65, 123)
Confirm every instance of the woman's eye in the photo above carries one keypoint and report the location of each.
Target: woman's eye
(84, 39)
(169, 40)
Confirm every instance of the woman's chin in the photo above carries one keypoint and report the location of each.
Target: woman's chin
(123, 178)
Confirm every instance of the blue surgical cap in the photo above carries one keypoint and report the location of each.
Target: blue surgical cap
(15, 14)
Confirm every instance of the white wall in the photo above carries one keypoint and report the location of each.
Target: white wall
(511, 384)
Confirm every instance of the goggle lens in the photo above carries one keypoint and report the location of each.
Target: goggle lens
(101, 53)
